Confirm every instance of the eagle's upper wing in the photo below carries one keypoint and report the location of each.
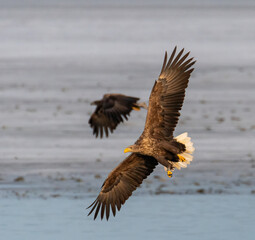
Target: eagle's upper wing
(112, 109)
(116, 106)
(121, 182)
(167, 95)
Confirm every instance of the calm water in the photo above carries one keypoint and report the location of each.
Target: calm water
(169, 216)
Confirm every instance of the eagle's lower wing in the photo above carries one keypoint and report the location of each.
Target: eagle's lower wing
(167, 95)
(121, 182)
(102, 124)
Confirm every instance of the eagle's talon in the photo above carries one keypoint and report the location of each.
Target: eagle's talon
(181, 158)
(169, 173)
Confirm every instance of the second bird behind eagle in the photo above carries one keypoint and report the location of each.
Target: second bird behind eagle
(157, 143)
(111, 110)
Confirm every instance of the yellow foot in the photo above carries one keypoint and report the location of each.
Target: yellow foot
(136, 108)
(169, 173)
(181, 158)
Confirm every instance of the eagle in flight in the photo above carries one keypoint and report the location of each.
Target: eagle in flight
(111, 110)
(157, 143)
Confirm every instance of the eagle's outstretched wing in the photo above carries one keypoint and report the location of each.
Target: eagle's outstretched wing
(121, 182)
(167, 95)
(110, 112)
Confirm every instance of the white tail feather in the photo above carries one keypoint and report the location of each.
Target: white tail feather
(184, 139)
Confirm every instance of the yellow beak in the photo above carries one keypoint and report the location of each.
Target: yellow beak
(127, 150)
(136, 108)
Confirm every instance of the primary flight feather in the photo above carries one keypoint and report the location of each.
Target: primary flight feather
(156, 144)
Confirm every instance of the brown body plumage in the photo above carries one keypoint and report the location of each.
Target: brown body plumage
(111, 110)
(156, 144)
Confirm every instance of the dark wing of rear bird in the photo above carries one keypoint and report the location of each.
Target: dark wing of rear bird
(101, 124)
(121, 182)
(167, 95)
(110, 111)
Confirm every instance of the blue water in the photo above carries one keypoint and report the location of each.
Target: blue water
(206, 217)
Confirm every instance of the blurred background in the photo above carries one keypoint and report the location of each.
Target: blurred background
(58, 56)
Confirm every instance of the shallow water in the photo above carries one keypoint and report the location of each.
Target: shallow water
(163, 216)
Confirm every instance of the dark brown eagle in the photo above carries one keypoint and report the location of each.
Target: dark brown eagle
(157, 143)
(111, 110)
